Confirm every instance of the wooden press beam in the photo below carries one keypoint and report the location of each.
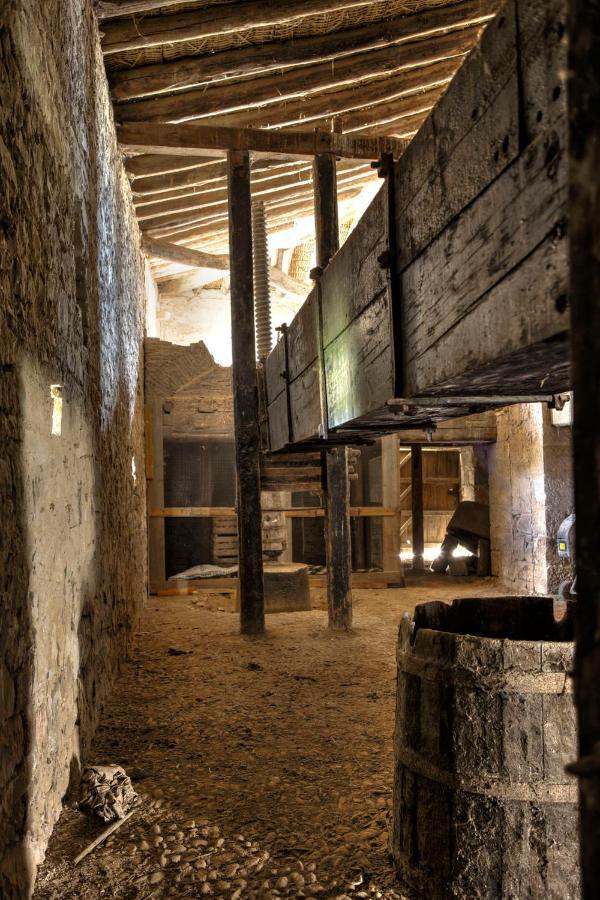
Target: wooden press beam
(583, 292)
(245, 395)
(337, 522)
(418, 531)
(191, 139)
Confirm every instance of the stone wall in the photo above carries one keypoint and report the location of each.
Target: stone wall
(72, 492)
(531, 491)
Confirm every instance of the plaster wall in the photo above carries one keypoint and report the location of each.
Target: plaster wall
(518, 499)
(531, 491)
(560, 497)
(72, 307)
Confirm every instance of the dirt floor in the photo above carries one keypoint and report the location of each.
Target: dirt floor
(264, 764)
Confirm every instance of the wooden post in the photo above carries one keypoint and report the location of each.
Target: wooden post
(416, 461)
(337, 540)
(583, 293)
(390, 496)
(337, 522)
(245, 395)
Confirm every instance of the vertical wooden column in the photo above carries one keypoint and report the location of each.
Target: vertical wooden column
(390, 496)
(337, 540)
(155, 496)
(245, 395)
(583, 296)
(418, 529)
(337, 522)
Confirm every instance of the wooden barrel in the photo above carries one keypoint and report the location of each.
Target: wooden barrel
(485, 725)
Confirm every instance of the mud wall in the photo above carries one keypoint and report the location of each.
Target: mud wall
(72, 491)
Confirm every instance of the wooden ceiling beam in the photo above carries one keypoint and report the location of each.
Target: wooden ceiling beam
(403, 91)
(112, 9)
(398, 97)
(177, 283)
(272, 179)
(405, 125)
(195, 140)
(153, 195)
(200, 24)
(285, 210)
(260, 59)
(184, 255)
(187, 210)
(298, 83)
(143, 170)
(149, 165)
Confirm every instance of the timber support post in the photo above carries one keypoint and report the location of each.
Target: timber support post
(583, 291)
(390, 497)
(337, 521)
(418, 528)
(245, 395)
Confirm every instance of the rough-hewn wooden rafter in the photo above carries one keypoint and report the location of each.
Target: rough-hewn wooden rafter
(178, 183)
(185, 73)
(197, 140)
(298, 83)
(187, 209)
(184, 255)
(137, 33)
(198, 259)
(283, 211)
(112, 9)
(272, 178)
(320, 110)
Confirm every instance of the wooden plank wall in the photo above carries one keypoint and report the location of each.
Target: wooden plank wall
(482, 249)
(454, 280)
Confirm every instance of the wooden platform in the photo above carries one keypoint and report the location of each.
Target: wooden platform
(449, 297)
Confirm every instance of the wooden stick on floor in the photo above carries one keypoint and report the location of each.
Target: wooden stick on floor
(102, 837)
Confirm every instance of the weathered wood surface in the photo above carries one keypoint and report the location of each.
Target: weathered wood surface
(485, 725)
(198, 24)
(337, 486)
(245, 396)
(359, 365)
(469, 138)
(337, 538)
(210, 140)
(354, 277)
(478, 269)
(584, 291)
(296, 83)
(417, 507)
(275, 56)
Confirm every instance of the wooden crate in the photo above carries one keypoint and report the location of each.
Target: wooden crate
(449, 297)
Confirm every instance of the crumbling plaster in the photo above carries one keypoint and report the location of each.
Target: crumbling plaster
(531, 491)
(72, 298)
